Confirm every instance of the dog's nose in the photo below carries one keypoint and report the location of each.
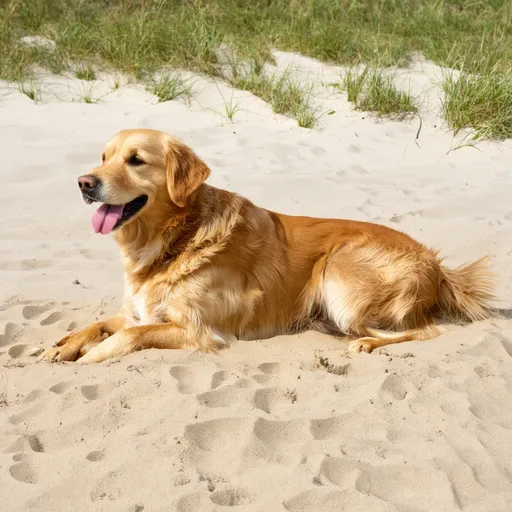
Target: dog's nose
(88, 183)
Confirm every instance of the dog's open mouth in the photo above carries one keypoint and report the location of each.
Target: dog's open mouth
(111, 216)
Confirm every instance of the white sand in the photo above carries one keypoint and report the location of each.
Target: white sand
(289, 424)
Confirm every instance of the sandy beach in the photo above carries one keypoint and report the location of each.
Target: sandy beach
(294, 423)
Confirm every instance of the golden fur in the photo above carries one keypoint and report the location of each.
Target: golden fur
(203, 266)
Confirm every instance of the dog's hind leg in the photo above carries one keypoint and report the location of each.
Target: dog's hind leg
(378, 338)
(361, 299)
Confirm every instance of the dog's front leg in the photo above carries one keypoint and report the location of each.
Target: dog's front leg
(161, 336)
(79, 343)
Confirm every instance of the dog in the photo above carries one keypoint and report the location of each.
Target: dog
(204, 266)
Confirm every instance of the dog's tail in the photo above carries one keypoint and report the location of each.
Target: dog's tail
(467, 291)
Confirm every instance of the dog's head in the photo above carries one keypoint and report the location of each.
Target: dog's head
(140, 168)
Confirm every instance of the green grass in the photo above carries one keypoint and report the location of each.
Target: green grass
(353, 83)
(481, 103)
(138, 37)
(86, 95)
(307, 118)
(116, 82)
(373, 90)
(29, 87)
(284, 93)
(230, 108)
(85, 73)
(169, 86)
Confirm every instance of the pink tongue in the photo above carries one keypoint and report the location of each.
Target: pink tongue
(105, 217)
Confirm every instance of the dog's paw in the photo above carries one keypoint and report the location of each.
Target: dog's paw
(60, 353)
(117, 345)
(71, 347)
(361, 345)
(217, 342)
(52, 354)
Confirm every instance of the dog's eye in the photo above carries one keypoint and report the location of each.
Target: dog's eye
(103, 157)
(135, 160)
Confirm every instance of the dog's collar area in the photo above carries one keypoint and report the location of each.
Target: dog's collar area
(130, 209)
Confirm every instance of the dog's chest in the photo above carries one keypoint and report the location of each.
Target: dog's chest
(139, 309)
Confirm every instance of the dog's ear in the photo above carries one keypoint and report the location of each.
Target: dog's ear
(185, 172)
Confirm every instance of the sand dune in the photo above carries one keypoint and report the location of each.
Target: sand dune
(289, 424)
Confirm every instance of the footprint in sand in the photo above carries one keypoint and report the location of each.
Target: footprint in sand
(343, 472)
(23, 472)
(17, 351)
(20, 445)
(224, 397)
(17, 446)
(34, 310)
(261, 378)
(35, 444)
(271, 400)
(328, 428)
(33, 395)
(52, 318)
(218, 378)
(217, 435)
(239, 498)
(72, 325)
(394, 386)
(269, 368)
(61, 387)
(323, 500)
(95, 391)
(232, 498)
(108, 488)
(95, 456)
(280, 434)
(193, 379)
(22, 417)
(11, 332)
(190, 502)
(392, 483)
(280, 442)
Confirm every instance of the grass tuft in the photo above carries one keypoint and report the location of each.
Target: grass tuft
(87, 95)
(307, 118)
(169, 86)
(85, 73)
(373, 90)
(31, 88)
(353, 83)
(230, 109)
(481, 103)
(286, 95)
(116, 82)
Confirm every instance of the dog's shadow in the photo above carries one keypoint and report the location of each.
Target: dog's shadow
(501, 313)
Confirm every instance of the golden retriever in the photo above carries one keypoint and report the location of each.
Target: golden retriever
(204, 266)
